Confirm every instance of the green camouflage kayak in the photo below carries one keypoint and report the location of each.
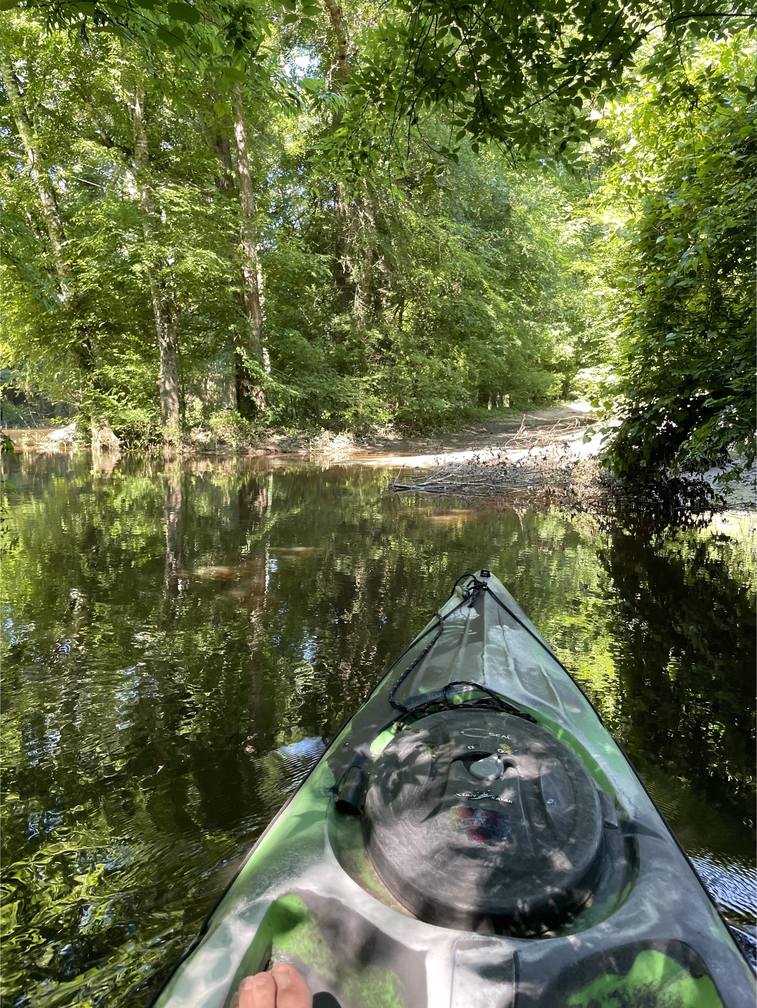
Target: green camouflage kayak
(473, 838)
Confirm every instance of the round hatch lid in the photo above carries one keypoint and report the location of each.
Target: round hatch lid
(478, 819)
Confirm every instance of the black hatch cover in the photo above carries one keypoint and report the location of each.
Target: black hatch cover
(479, 819)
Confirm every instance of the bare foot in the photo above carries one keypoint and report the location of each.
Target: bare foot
(283, 987)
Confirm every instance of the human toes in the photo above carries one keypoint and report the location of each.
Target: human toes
(291, 989)
(258, 991)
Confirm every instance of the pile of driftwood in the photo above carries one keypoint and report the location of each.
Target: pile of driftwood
(560, 468)
(546, 463)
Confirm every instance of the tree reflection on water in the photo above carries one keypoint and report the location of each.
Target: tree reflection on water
(166, 630)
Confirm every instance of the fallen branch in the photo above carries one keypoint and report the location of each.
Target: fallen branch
(553, 474)
(550, 464)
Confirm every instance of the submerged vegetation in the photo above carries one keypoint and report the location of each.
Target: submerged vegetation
(221, 217)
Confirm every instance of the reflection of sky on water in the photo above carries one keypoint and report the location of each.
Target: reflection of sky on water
(14, 633)
(310, 649)
(733, 884)
(305, 751)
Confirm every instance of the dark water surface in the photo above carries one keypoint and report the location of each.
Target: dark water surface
(167, 633)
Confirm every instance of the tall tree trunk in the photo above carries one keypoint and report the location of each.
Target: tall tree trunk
(165, 308)
(48, 203)
(42, 184)
(341, 69)
(226, 184)
(356, 212)
(225, 177)
(251, 359)
(362, 231)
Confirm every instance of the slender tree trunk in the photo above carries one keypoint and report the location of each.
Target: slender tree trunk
(83, 348)
(345, 211)
(225, 178)
(363, 232)
(226, 185)
(165, 308)
(45, 192)
(341, 68)
(356, 212)
(252, 357)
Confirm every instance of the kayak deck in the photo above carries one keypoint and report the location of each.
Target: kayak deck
(549, 878)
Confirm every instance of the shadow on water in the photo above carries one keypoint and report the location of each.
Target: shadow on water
(171, 634)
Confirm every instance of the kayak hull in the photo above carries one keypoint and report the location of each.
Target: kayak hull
(311, 891)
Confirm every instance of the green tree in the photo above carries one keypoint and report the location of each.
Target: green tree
(685, 189)
(225, 216)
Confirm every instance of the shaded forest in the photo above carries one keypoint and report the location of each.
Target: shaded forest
(230, 216)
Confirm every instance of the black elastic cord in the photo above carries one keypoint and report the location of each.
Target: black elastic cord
(441, 697)
(462, 577)
(496, 697)
(413, 665)
(467, 596)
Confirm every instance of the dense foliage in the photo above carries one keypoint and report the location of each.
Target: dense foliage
(686, 190)
(230, 216)
(402, 303)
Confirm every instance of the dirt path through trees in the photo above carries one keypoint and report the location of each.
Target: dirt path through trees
(518, 433)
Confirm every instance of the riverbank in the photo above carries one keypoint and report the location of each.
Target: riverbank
(380, 449)
(517, 433)
(551, 453)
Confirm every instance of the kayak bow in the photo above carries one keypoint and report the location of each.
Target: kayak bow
(473, 838)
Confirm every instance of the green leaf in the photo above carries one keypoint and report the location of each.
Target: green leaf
(184, 12)
(168, 37)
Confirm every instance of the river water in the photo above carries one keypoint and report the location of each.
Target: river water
(178, 642)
